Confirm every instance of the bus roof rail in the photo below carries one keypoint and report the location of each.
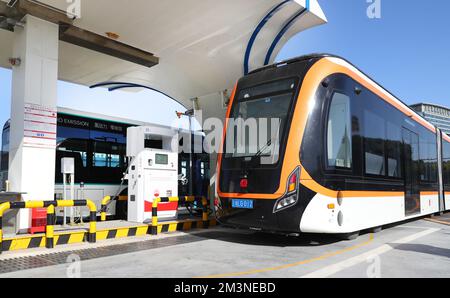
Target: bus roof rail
(293, 60)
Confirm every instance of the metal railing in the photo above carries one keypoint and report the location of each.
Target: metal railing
(179, 200)
(51, 205)
(104, 207)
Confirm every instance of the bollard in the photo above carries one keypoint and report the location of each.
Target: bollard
(105, 201)
(154, 230)
(3, 208)
(49, 230)
(92, 237)
(205, 215)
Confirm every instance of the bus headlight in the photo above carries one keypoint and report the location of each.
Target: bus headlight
(292, 192)
(286, 202)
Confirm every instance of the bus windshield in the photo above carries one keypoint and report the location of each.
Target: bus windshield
(258, 121)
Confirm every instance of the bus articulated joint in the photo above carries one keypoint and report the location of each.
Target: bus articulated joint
(50, 205)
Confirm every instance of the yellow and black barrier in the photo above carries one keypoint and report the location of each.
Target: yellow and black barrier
(92, 235)
(49, 229)
(105, 202)
(50, 205)
(24, 242)
(179, 200)
(104, 206)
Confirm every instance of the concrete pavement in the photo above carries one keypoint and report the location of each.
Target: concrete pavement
(414, 249)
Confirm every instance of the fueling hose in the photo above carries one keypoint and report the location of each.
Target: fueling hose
(119, 190)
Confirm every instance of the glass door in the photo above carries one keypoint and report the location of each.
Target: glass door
(411, 170)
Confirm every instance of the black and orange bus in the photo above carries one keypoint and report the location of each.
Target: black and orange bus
(350, 156)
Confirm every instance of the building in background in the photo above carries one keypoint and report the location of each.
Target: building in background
(435, 114)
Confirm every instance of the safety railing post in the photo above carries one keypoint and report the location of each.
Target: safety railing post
(3, 208)
(154, 230)
(105, 202)
(49, 229)
(92, 236)
(205, 215)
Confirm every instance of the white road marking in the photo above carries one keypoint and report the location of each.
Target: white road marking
(413, 227)
(338, 267)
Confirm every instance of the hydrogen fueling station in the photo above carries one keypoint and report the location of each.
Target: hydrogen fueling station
(98, 186)
(90, 59)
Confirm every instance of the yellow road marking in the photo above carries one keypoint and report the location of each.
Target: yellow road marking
(320, 258)
(438, 221)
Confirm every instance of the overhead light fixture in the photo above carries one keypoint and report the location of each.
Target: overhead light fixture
(15, 62)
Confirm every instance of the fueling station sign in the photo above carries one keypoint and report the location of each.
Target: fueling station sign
(40, 125)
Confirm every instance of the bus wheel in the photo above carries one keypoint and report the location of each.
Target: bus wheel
(349, 236)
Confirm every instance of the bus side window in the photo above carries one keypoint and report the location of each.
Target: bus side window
(394, 149)
(339, 135)
(374, 147)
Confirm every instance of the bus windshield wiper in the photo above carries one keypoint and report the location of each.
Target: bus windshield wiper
(261, 151)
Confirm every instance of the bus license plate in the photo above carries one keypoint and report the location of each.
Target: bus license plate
(242, 204)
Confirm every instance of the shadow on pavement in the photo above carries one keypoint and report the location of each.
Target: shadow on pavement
(265, 239)
(425, 249)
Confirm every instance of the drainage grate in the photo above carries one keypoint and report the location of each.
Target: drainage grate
(26, 263)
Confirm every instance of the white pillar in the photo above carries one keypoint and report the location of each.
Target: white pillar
(33, 113)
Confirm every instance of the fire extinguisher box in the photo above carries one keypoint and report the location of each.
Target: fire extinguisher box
(38, 220)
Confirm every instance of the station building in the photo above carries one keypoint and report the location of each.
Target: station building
(437, 115)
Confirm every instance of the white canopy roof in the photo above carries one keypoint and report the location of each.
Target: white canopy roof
(201, 43)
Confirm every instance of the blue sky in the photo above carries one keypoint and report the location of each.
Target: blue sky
(407, 51)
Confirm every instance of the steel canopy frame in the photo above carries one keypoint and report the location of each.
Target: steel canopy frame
(281, 34)
(256, 32)
(113, 86)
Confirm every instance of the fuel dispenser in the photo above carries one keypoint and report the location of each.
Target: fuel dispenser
(153, 172)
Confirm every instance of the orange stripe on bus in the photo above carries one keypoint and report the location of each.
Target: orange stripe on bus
(429, 193)
(372, 194)
(251, 196)
(219, 157)
(308, 182)
(374, 87)
(446, 137)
